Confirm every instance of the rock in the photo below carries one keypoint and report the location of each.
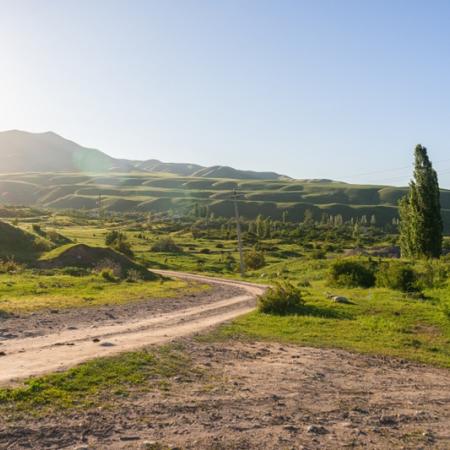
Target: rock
(96, 340)
(314, 429)
(129, 438)
(2, 353)
(388, 420)
(107, 344)
(340, 299)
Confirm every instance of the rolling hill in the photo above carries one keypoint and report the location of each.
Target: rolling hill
(21, 151)
(46, 170)
(147, 192)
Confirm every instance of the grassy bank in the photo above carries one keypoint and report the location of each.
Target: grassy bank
(377, 321)
(98, 382)
(30, 291)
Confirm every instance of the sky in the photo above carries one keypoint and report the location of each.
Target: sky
(338, 89)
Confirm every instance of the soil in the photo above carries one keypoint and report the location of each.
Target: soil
(59, 341)
(248, 395)
(85, 256)
(263, 396)
(48, 321)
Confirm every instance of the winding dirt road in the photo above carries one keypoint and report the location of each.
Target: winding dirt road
(32, 356)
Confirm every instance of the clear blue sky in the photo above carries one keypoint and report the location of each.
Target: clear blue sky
(329, 89)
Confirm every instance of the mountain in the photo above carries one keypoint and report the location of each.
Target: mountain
(229, 172)
(155, 166)
(21, 151)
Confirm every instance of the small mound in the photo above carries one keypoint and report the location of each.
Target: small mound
(17, 243)
(82, 255)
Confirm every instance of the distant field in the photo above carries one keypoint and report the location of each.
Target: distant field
(159, 193)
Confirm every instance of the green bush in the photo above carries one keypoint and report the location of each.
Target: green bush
(432, 273)
(166, 244)
(281, 299)
(10, 266)
(398, 276)
(133, 276)
(109, 270)
(351, 274)
(75, 271)
(124, 247)
(119, 242)
(254, 260)
(108, 274)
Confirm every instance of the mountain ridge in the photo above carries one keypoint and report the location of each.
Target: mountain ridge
(23, 151)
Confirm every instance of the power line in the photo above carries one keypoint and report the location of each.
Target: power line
(389, 170)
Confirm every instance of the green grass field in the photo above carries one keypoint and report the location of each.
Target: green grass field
(378, 321)
(31, 291)
(155, 193)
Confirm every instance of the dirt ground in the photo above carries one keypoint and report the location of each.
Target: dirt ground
(75, 336)
(53, 321)
(264, 396)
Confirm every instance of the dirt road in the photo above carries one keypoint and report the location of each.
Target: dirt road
(52, 351)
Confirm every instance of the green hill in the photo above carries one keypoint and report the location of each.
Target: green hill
(17, 243)
(159, 193)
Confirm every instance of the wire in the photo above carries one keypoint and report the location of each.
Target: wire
(391, 170)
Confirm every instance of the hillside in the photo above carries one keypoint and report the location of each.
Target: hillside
(47, 152)
(182, 195)
(21, 151)
(17, 243)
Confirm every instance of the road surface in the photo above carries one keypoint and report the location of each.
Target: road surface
(31, 356)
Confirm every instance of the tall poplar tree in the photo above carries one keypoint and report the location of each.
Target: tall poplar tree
(420, 211)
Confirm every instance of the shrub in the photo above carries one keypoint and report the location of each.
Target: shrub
(166, 244)
(399, 276)
(10, 266)
(124, 247)
(109, 270)
(119, 241)
(281, 299)
(108, 274)
(75, 271)
(318, 254)
(230, 262)
(113, 236)
(351, 274)
(37, 229)
(254, 259)
(134, 275)
(432, 273)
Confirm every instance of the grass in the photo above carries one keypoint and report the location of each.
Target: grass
(99, 382)
(30, 291)
(153, 192)
(378, 321)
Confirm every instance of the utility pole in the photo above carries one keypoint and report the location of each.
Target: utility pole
(238, 232)
(99, 206)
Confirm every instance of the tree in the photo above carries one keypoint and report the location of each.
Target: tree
(119, 241)
(420, 211)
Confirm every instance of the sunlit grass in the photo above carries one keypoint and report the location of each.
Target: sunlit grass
(378, 321)
(98, 382)
(28, 291)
